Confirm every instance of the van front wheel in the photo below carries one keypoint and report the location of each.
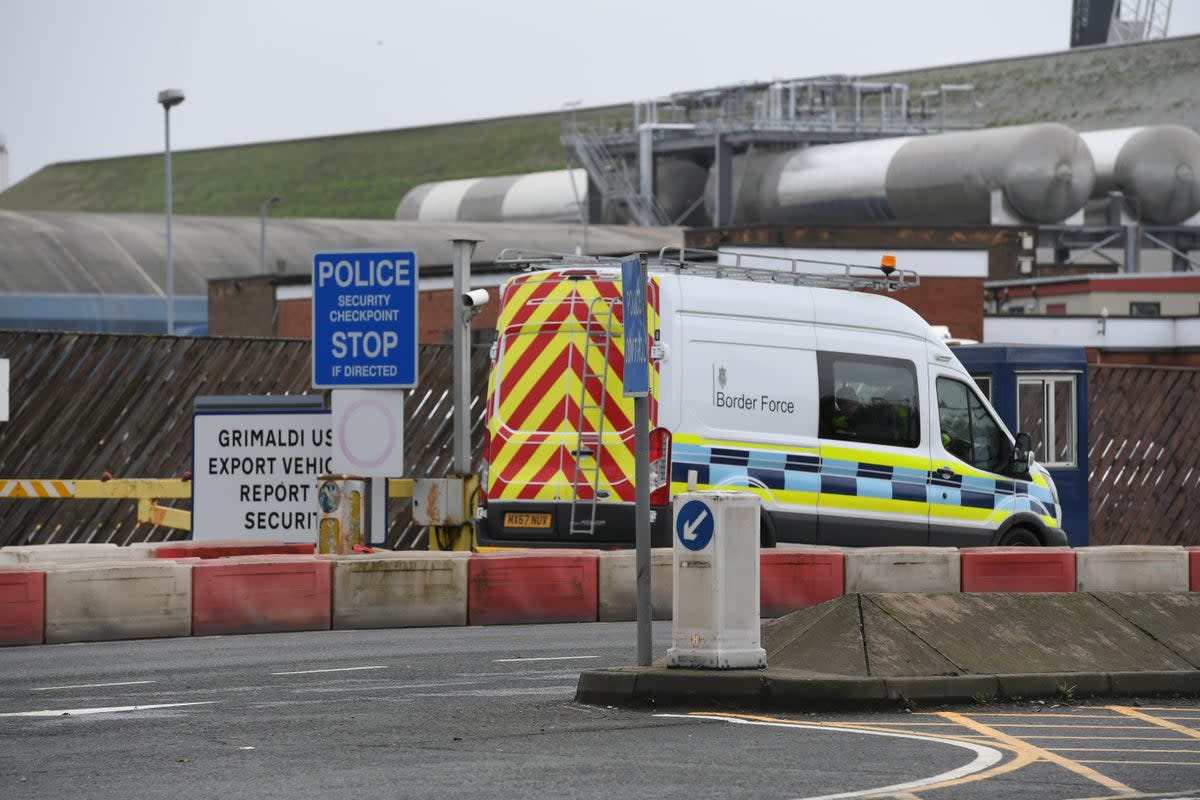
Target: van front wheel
(766, 530)
(1020, 537)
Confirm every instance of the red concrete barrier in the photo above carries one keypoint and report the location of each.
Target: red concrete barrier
(1018, 569)
(228, 548)
(794, 578)
(1194, 569)
(261, 595)
(533, 586)
(22, 606)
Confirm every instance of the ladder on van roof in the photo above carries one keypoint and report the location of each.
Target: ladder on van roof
(599, 313)
(760, 268)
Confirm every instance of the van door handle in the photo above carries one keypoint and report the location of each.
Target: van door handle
(945, 473)
(583, 452)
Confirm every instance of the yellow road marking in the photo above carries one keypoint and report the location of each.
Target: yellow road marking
(1056, 725)
(1107, 738)
(1162, 723)
(1035, 753)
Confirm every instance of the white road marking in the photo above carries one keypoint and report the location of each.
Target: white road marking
(543, 658)
(334, 669)
(984, 756)
(90, 686)
(79, 712)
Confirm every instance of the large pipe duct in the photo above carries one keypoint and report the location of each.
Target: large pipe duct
(1156, 167)
(1043, 172)
(553, 196)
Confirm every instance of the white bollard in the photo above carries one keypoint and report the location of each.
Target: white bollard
(716, 621)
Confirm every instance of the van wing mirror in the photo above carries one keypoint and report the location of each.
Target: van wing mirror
(1020, 454)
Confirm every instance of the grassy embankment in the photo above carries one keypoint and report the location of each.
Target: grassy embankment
(357, 176)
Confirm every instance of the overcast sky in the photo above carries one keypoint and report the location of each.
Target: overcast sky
(79, 78)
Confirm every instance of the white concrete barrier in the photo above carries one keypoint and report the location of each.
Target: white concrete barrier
(618, 584)
(1131, 568)
(41, 553)
(902, 569)
(400, 589)
(126, 600)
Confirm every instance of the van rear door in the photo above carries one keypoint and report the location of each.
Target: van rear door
(560, 431)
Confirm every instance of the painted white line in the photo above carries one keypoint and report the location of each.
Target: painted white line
(90, 686)
(544, 658)
(334, 669)
(79, 712)
(984, 756)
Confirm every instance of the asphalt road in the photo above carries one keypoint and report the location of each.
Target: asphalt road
(488, 712)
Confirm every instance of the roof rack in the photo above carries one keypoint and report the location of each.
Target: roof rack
(708, 263)
(538, 259)
(785, 269)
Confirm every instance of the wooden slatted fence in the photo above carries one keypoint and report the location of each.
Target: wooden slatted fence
(85, 404)
(1143, 458)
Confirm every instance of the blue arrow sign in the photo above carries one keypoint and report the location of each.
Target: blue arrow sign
(694, 525)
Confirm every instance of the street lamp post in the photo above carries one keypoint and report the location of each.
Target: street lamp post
(262, 230)
(169, 98)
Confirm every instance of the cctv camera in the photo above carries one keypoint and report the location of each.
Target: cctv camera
(476, 298)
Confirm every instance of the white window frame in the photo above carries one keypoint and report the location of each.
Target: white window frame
(1048, 382)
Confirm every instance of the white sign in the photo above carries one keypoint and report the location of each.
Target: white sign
(3, 390)
(368, 431)
(255, 475)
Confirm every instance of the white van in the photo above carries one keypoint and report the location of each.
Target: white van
(841, 408)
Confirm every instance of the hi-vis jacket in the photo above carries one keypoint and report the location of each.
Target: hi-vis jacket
(842, 410)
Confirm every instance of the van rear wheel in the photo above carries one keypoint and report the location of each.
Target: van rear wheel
(1020, 537)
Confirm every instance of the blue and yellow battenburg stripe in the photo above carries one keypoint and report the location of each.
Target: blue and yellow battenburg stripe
(856, 479)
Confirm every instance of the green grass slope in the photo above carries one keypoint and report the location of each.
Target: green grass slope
(359, 176)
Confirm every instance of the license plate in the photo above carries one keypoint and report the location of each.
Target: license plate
(514, 519)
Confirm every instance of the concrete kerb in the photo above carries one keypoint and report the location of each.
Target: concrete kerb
(782, 689)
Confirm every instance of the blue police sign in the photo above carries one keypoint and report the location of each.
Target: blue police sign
(637, 340)
(694, 525)
(365, 320)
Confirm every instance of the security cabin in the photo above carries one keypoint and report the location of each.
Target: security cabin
(834, 403)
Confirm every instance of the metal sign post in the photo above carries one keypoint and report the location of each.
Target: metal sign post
(637, 386)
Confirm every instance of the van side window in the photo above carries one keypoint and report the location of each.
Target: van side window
(868, 399)
(968, 431)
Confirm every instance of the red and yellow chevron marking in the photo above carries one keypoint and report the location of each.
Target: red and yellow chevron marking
(534, 391)
(36, 488)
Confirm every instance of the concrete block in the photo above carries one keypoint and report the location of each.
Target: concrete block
(228, 548)
(41, 553)
(22, 605)
(127, 600)
(1194, 568)
(943, 688)
(1018, 569)
(532, 586)
(618, 584)
(400, 589)
(1131, 568)
(798, 577)
(902, 569)
(1149, 683)
(261, 594)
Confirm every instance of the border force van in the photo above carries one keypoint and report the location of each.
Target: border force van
(841, 409)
